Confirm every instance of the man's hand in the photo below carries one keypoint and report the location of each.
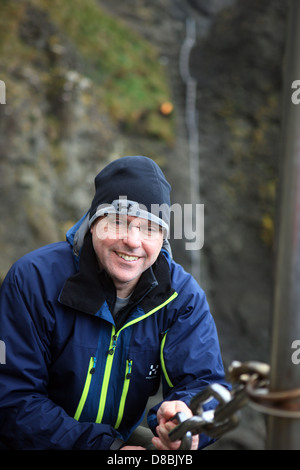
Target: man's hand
(167, 410)
(132, 448)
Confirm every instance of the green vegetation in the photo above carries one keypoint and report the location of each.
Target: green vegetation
(252, 172)
(122, 64)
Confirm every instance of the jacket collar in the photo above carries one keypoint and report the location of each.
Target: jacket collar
(91, 287)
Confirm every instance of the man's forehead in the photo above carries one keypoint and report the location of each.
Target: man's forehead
(131, 218)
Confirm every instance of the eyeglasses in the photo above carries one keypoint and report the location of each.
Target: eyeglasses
(118, 226)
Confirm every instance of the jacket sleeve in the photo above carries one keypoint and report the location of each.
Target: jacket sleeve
(190, 351)
(28, 418)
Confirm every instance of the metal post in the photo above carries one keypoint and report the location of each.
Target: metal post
(283, 432)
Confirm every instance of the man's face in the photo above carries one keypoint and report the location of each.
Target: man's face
(125, 247)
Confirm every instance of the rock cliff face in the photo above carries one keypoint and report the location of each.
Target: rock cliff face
(73, 104)
(73, 101)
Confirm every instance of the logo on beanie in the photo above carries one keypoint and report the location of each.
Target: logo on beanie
(123, 206)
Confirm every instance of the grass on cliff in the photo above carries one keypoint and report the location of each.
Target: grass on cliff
(117, 59)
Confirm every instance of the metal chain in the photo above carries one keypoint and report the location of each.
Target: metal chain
(250, 381)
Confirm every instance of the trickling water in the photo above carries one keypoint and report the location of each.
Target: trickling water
(191, 119)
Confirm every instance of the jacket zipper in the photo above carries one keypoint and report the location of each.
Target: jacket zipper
(124, 392)
(162, 360)
(106, 377)
(90, 372)
(108, 365)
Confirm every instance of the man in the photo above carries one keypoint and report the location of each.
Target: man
(90, 326)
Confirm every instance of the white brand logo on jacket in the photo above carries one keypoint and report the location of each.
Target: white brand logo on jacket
(153, 371)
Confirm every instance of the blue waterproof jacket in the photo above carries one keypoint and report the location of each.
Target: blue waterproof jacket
(76, 378)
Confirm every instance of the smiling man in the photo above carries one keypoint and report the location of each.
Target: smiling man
(94, 324)
(125, 247)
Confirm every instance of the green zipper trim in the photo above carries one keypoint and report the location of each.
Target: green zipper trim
(162, 361)
(108, 365)
(124, 393)
(85, 390)
(106, 377)
(173, 296)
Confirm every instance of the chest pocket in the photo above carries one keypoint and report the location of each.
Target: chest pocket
(146, 370)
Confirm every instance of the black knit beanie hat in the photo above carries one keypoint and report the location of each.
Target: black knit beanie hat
(134, 186)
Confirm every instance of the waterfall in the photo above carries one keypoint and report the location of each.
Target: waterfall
(191, 120)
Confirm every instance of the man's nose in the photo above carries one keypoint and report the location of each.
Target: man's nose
(133, 237)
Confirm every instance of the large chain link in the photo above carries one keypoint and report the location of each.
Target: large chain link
(249, 380)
